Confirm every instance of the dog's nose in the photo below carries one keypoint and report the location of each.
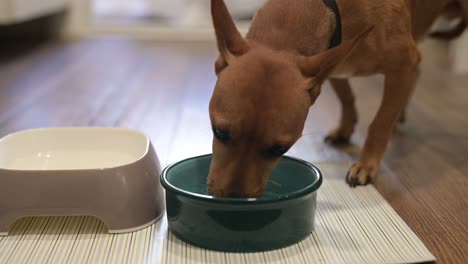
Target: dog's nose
(233, 187)
(226, 193)
(233, 193)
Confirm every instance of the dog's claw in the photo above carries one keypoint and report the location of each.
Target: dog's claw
(402, 118)
(337, 141)
(362, 174)
(368, 180)
(337, 137)
(354, 180)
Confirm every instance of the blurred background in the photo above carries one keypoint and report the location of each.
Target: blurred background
(155, 19)
(148, 65)
(138, 64)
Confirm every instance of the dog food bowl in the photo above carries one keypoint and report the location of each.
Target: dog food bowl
(109, 173)
(283, 216)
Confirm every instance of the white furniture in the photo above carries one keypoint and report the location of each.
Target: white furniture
(197, 12)
(459, 51)
(16, 11)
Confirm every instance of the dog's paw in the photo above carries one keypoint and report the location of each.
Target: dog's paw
(402, 118)
(338, 137)
(362, 173)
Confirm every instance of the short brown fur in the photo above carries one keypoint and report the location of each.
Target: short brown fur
(268, 80)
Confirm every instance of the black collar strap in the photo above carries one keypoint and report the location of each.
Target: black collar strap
(336, 38)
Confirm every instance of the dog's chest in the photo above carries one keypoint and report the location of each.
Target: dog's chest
(359, 63)
(347, 70)
(344, 71)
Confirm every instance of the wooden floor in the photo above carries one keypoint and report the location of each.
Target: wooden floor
(164, 89)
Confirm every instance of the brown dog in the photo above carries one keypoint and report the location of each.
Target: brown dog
(268, 80)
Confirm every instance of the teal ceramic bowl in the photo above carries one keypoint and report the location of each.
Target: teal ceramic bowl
(283, 216)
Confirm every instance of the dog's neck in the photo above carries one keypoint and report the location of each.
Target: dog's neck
(305, 27)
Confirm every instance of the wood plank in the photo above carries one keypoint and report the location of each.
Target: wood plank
(163, 89)
(427, 179)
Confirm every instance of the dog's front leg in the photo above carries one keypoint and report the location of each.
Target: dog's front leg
(402, 117)
(398, 87)
(348, 119)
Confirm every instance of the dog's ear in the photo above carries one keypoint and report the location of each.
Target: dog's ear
(320, 66)
(230, 42)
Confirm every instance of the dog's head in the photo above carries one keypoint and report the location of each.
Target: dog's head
(259, 106)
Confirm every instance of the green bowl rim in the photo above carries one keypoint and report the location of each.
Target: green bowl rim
(251, 201)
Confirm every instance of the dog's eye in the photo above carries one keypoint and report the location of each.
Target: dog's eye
(277, 151)
(222, 135)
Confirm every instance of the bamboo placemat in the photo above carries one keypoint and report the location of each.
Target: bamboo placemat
(352, 226)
